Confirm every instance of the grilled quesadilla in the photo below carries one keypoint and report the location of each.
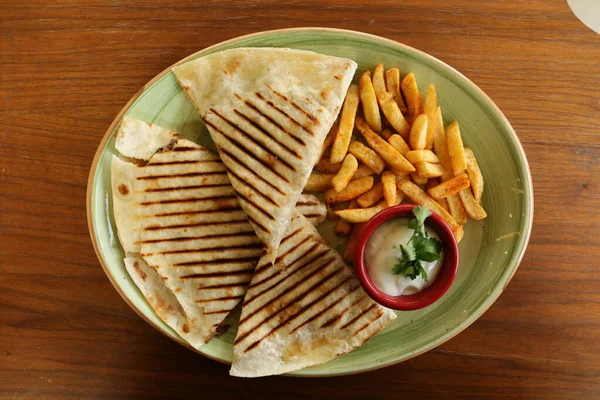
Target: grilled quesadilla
(304, 310)
(180, 212)
(268, 111)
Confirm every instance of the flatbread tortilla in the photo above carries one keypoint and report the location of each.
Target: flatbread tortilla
(125, 208)
(140, 139)
(304, 310)
(268, 111)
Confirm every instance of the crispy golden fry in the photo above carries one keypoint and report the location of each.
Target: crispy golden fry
(393, 114)
(354, 189)
(440, 146)
(449, 187)
(399, 144)
(457, 210)
(358, 215)
(371, 197)
(318, 182)
(329, 138)
(389, 154)
(325, 166)
(367, 156)
(343, 228)
(369, 102)
(418, 179)
(388, 181)
(413, 98)
(431, 183)
(475, 175)
(429, 108)
(392, 83)
(418, 133)
(363, 171)
(421, 198)
(456, 150)
(399, 197)
(351, 244)
(346, 125)
(378, 81)
(386, 134)
(429, 170)
(416, 156)
(473, 209)
(349, 167)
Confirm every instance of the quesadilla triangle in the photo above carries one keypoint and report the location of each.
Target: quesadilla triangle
(268, 111)
(304, 310)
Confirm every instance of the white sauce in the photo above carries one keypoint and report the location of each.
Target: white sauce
(383, 252)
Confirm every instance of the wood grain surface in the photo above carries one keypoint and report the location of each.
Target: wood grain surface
(67, 68)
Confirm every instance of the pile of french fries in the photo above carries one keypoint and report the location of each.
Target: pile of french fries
(402, 152)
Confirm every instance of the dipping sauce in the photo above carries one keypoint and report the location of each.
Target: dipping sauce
(383, 251)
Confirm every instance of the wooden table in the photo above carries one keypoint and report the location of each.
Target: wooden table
(67, 68)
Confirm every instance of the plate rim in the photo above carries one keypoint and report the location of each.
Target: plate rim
(488, 302)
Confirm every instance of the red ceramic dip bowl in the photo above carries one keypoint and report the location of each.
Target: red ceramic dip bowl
(442, 282)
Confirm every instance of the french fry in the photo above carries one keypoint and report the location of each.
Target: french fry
(429, 170)
(329, 138)
(367, 156)
(388, 180)
(371, 197)
(421, 198)
(386, 134)
(354, 189)
(378, 81)
(475, 175)
(440, 146)
(431, 183)
(346, 125)
(358, 215)
(399, 144)
(418, 179)
(325, 166)
(347, 171)
(429, 108)
(318, 182)
(363, 171)
(392, 83)
(418, 133)
(351, 244)
(450, 187)
(393, 114)
(456, 150)
(414, 101)
(342, 227)
(456, 208)
(369, 102)
(389, 154)
(473, 209)
(399, 197)
(417, 156)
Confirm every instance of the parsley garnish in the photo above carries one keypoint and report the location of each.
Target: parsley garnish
(420, 247)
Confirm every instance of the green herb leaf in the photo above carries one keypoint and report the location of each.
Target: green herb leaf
(419, 248)
(408, 252)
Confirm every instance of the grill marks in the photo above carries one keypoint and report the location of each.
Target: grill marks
(195, 232)
(310, 289)
(284, 114)
(296, 106)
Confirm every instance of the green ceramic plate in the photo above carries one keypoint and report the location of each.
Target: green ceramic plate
(490, 251)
